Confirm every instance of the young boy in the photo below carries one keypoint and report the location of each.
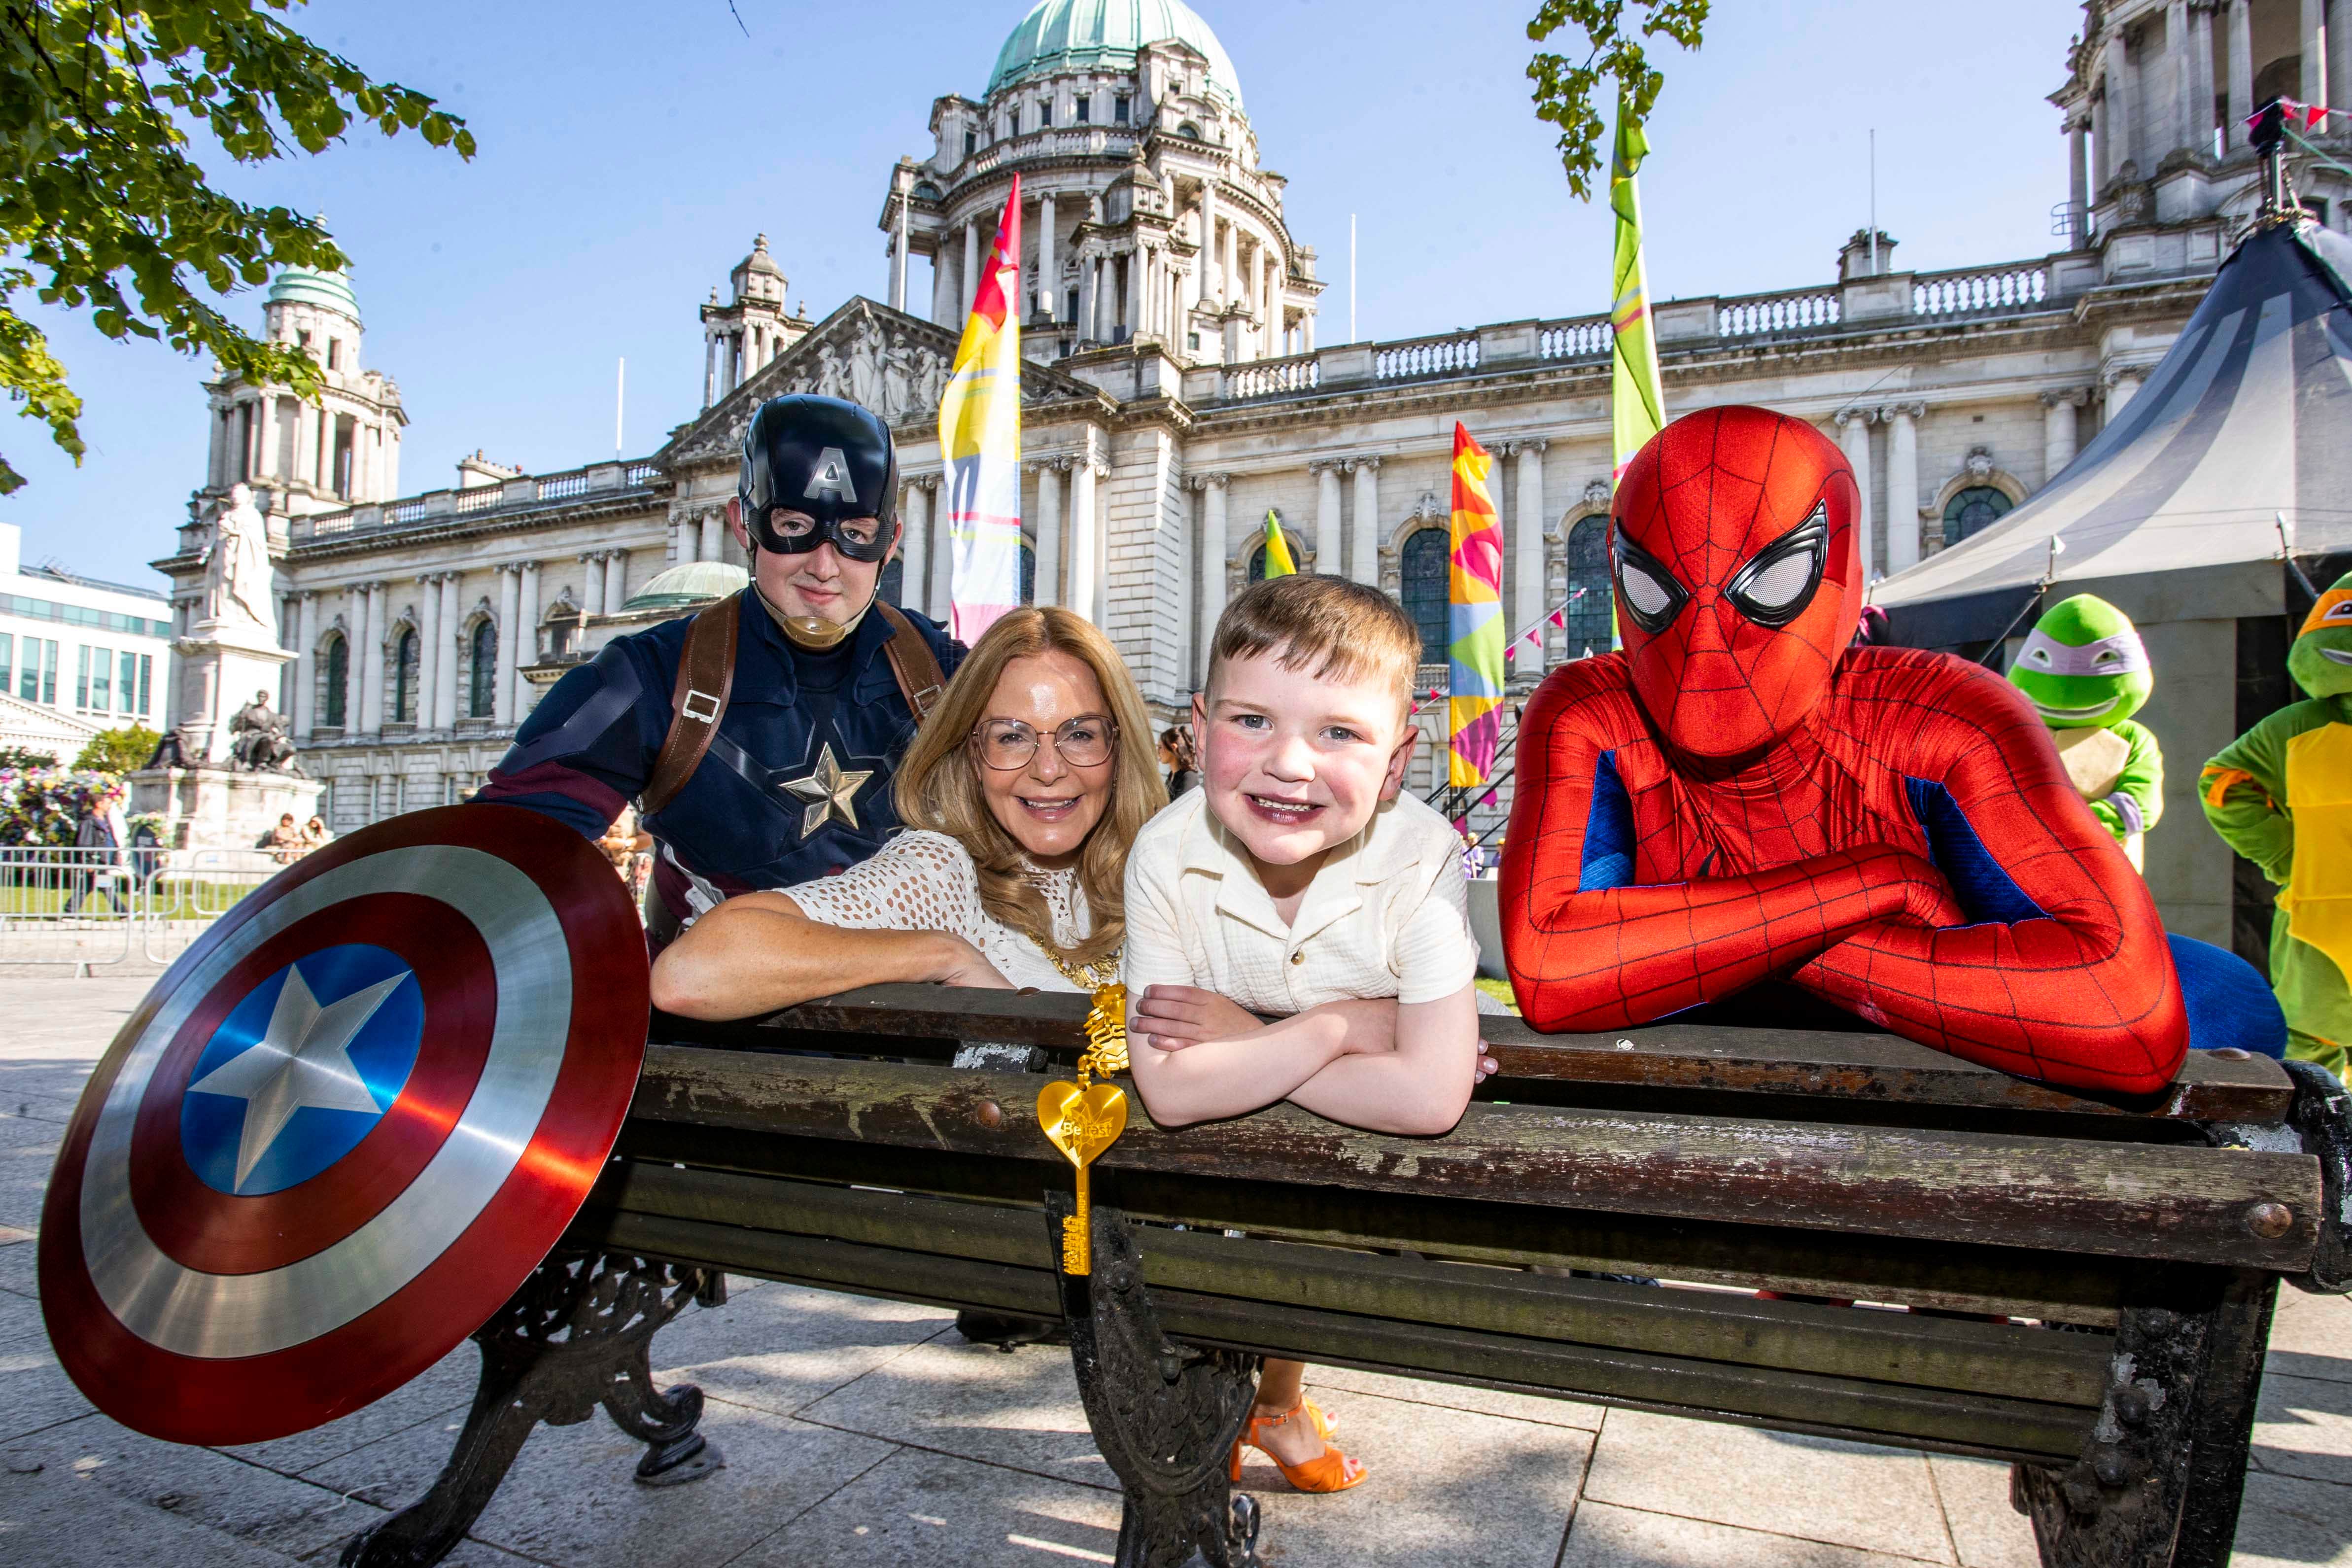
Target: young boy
(1297, 880)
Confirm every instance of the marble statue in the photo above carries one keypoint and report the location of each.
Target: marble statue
(259, 741)
(236, 568)
(864, 368)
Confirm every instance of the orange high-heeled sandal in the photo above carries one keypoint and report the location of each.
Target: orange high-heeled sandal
(1329, 1471)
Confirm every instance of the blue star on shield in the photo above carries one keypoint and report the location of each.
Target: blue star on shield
(301, 1069)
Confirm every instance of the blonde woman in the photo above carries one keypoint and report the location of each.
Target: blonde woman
(1021, 794)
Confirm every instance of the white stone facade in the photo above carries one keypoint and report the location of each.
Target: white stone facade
(1184, 399)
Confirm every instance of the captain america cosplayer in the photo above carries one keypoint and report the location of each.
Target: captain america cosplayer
(1740, 799)
(759, 738)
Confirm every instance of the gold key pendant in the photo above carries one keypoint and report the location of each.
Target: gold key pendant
(1082, 1119)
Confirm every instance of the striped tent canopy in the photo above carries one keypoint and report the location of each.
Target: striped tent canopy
(2247, 419)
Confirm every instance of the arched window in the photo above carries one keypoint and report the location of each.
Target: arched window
(481, 693)
(1189, 129)
(891, 588)
(404, 678)
(1590, 591)
(1028, 574)
(1973, 510)
(338, 666)
(1425, 589)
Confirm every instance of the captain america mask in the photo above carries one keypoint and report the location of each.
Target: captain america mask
(1737, 575)
(819, 470)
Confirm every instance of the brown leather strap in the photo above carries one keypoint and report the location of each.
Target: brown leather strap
(912, 663)
(706, 675)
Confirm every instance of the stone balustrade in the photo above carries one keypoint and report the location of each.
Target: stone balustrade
(1272, 377)
(517, 494)
(1978, 289)
(1790, 310)
(1453, 354)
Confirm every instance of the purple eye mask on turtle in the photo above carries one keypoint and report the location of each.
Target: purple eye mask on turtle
(2120, 655)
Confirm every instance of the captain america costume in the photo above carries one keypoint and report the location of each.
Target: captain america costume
(1741, 797)
(796, 783)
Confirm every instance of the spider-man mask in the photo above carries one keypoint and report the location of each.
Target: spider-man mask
(1738, 585)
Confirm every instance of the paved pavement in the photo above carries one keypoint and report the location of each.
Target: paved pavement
(866, 1433)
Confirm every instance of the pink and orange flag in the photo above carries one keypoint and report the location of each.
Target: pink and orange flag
(1475, 621)
(980, 440)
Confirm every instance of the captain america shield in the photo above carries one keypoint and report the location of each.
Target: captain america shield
(345, 1126)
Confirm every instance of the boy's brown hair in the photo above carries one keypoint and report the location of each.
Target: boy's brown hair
(1329, 626)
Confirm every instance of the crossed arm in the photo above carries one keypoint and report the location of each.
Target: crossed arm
(757, 952)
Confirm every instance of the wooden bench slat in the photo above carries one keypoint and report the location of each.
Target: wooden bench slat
(1851, 1408)
(1879, 1068)
(1950, 1276)
(2120, 1199)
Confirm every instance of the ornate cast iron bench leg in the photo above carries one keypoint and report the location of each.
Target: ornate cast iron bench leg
(2160, 1482)
(578, 1334)
(1165, 1415)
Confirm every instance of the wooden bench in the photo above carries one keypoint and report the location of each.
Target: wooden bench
(2090, 1284)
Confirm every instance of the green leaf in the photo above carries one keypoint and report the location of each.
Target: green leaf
(1570, 92)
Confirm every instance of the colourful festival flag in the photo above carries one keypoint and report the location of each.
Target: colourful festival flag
(1637, 406)
(1474, 622)
(980, 440)
(1278, 563)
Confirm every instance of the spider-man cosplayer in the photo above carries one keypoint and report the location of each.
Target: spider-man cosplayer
(1740, 796)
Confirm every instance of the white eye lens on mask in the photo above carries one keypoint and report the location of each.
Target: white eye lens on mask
(1642, 590)
(1779, 584)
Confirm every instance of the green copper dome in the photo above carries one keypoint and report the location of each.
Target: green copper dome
(1104, 35)
(303, 286)
(695, 582)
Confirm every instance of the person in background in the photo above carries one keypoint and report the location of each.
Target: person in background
(315, 835)
(284, 841)
(1176, 755)
(98, 838)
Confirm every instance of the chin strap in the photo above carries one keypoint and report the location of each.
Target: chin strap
(812, 633)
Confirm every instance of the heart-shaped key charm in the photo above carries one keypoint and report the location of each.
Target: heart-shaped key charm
(1082, 1122)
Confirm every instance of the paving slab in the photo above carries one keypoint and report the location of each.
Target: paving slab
(239, 1500)
(19, 1266)
(433, 1394)
(1610, 1537)
(977, 1402)
(2303, 1427)
(932, 1511)
(34, 1392)
(1820, 1488)
(20, 1322)
(60, 1520)
(1465, 1489)
(2292, 1523)
(1986, 1531)
(780, 1348)
(2311, 1336)
(1328, 1386)
(569, 1499)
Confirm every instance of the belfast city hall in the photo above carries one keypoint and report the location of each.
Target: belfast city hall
(1177, 389)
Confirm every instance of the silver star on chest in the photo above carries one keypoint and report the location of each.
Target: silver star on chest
(829, 791)
(303, 1058)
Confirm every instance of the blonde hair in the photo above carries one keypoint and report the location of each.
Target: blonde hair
(938, 785)
(1329, 626)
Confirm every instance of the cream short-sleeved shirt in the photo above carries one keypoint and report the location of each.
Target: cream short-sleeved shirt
(1387, 914)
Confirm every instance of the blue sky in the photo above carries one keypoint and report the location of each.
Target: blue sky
(628, 153)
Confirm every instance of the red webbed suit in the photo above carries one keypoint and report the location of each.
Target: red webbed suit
(1740, 797)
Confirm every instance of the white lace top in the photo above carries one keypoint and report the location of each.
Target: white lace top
(922, 880)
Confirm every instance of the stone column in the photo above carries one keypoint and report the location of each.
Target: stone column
(2172, 86)
(453, 631)
(943, 550)
(1364, 539)
(1049, 277)
(1306, 333)
(2123, 135)
(369, 719)
(1050, 530)
(355, 658)
(1229, 264)
(306, 662)
(1327, 504)
(1854, 435)
(709, 371)
(2078, 185)
(1902, 484)
(913, 554)
(1084, 554)
(943, 283)
(1099, 526)
(2122, 386)
(591, 582)
(2058, 430)
(968, 280)
(2339, 66)
(428, 647)
(682, 534)
(2241, 69)
(2201, 76)
(1123, 289)
(1212, 290)
(1214, 552)
(1528, 554)
(502, 703)
(714, 535)
(2313, 22)
(526, 637)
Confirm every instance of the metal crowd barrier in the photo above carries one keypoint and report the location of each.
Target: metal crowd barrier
(88, 907)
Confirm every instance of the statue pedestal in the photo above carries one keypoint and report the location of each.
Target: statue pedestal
(221, 667)
(213, 808)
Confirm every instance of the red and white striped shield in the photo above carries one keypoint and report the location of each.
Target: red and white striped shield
(345, 1126)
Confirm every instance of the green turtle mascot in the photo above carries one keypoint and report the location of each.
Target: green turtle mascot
(2086, 673)
(2281, 796)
